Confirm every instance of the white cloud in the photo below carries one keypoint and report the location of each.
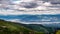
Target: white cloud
(16, 2)
(45, 20)
(47, 4)
(40, 9)
(34, 12)
(19, 1)
(18, 21)
(26, 0)
(14, 20)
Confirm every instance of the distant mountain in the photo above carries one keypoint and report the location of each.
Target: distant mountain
(55, 25)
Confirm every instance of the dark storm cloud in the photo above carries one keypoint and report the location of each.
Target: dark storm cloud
(53, 1)
(29, 5)
(25, 5)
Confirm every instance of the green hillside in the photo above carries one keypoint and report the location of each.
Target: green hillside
(13, 28)
(40, 28)
(36, 27)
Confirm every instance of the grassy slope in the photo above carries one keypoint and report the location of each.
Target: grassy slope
(12, 28)
(40, 28)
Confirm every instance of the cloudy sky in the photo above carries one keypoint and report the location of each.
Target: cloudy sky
(28, 11)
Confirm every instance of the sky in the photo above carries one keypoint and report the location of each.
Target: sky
(30, 11)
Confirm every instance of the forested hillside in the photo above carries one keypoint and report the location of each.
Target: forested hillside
(13, 28)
